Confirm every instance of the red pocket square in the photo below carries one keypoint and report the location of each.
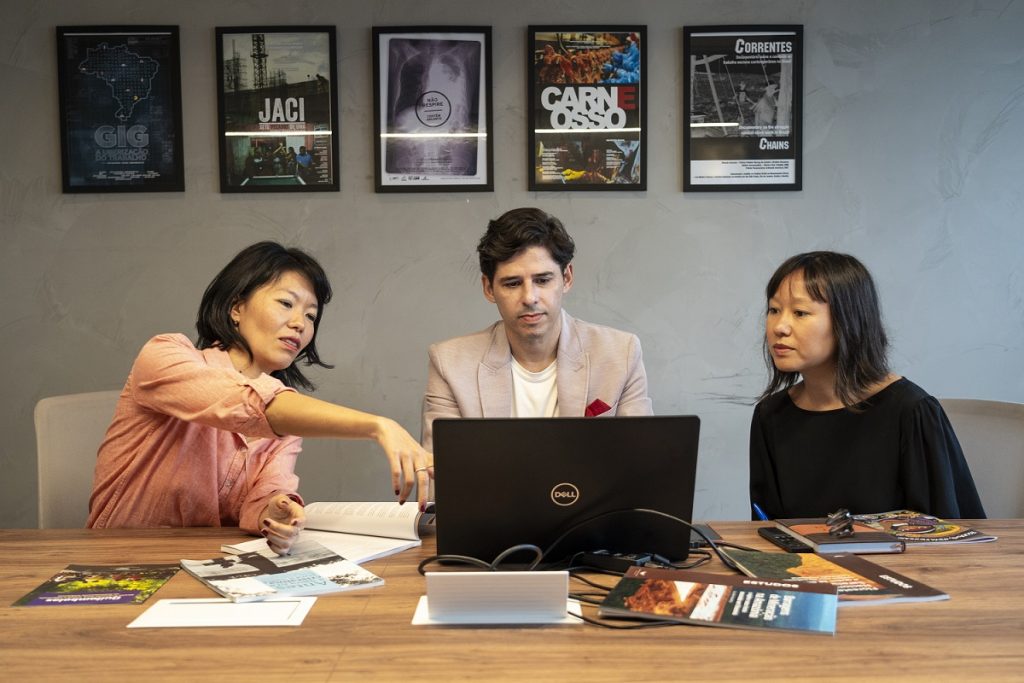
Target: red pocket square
(596, 408)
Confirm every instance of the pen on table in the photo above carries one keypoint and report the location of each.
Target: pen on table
(759, 512)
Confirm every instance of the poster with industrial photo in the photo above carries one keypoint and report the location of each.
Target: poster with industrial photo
(432, 109)
(588, 113)
(743, 97)
(120, 108)
(278, 120)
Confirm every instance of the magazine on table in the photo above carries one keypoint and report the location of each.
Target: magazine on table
(310, 569)
(858, 580)
(722, 600)
(81, 584)
(916, 528)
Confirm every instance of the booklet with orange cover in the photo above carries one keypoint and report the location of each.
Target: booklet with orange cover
(858, 580)
(722, 600)
(864, 539)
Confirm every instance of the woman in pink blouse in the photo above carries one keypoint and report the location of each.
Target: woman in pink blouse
(208, 434)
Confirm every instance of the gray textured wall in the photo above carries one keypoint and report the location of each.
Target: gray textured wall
(913, 161)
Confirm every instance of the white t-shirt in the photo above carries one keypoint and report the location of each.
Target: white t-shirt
(534, 394)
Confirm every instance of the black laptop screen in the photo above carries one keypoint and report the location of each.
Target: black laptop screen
(567, 485)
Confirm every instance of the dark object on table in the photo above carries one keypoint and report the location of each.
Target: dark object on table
(840, 523)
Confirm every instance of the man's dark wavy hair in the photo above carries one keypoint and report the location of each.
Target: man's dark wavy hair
(518, 229)
(249, 270)
(842, 282)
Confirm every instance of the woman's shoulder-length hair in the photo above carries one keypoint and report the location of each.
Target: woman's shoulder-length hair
(249, 270)
(844, 283)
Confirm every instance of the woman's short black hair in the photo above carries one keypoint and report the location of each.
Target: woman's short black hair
(249, 270)
(518, 229)
(842, 282)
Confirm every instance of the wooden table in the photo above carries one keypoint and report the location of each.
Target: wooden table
(977, 635)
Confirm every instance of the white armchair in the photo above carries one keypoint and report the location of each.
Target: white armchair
(991, 434)
(69, 431)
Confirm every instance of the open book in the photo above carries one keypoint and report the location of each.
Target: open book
(310, 569)
(358, 531)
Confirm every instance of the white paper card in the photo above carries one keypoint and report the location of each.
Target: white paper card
(206, 612)
(422, 615)
(497, 597)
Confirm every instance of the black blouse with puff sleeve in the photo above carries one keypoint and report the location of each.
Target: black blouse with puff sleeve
(899, 452)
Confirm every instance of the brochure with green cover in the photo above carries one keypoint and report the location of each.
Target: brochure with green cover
(79, 584)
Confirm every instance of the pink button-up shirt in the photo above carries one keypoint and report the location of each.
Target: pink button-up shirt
(190, 444)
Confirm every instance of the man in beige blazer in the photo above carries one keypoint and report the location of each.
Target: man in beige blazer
(537, 361)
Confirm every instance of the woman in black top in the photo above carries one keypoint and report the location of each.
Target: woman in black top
(835, 428)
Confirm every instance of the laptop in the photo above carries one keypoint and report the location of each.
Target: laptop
(567, 485)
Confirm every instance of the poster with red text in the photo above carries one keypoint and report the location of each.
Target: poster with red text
(587, 108)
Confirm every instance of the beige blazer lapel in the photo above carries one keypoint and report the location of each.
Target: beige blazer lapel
(494, 376)
(572, 371)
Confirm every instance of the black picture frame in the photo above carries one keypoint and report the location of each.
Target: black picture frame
(277, 108)
(432, 109)
(119, 92)
(587, 103)
(743, 108)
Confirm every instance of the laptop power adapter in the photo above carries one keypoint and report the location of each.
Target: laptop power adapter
(615, 562)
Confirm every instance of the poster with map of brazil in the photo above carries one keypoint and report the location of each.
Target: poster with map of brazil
(120, 108)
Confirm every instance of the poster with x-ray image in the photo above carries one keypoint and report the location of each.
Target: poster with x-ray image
(432, 105)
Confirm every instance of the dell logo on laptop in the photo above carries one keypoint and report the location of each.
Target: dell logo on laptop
(565, 494)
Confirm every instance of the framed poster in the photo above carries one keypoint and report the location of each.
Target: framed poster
(120, 109)
(278, 120)
(586, 86)
(743, 99)
(432, 109)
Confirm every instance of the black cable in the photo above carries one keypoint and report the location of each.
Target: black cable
(590, 597)
(481, 564)
(624, 627)
(540, 555)
(711, 544)
(465, 559)
(593, 570)
(703, 557)
(738, 546)
(583, 579)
